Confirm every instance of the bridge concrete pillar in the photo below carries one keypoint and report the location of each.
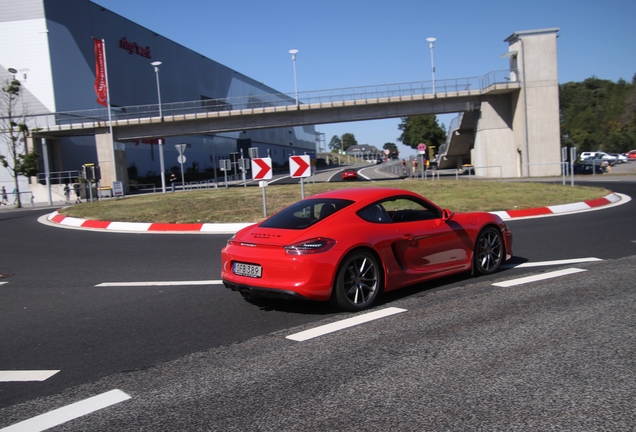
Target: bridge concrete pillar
(495, 151)
(536, 121)
(111, 158)
(520, 131)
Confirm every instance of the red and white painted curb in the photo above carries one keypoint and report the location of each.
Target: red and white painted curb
(612, 198)
(231, 228)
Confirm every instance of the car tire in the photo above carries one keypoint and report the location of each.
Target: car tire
(358, 281)
(489, 251)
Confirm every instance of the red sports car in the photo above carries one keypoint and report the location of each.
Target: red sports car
(350, 245)
(350, 174)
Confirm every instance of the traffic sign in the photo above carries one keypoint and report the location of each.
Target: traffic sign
(180, 148)
(262, 168)
(299, 166)
(181, 159)
(421, 147)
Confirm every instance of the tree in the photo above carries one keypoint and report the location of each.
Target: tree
(342, 143)
(14, 133)
(598, 114)
(421, 129)
(393, 150)
(348, 140)
(335, 143)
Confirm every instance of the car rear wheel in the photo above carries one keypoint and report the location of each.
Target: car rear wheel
(489, 251)
(358, 282)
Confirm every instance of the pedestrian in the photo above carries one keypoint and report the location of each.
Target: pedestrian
(5, 199)
(173, 179)
(76, 188)
(404, 166)
(67, 193)
(15, 196)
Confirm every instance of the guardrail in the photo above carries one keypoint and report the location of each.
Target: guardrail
(286, 101)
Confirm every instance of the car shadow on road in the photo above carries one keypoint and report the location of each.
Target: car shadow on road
(308, 307)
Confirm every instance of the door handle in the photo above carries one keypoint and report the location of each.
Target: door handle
(407, 237)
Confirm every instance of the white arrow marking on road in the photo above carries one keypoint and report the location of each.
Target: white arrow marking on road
(26, 375)
(160, 283)
(68, 413)
(343, 324)
(539, 277)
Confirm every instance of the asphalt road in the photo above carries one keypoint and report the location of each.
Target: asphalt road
(465, 355)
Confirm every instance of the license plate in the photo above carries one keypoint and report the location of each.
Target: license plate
(248, 270)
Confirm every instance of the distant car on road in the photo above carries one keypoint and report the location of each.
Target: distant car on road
(631, 155)
(351, 245)
(350, 174)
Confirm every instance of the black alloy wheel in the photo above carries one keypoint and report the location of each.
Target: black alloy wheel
(358, 282)
(489, 251)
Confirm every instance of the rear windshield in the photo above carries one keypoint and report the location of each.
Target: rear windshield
(305, 213)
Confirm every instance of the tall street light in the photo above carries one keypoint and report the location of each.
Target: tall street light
(156, 64)
(431, 44)
(293, 53)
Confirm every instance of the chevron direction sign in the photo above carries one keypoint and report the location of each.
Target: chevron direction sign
(300, 166)
(262, 168)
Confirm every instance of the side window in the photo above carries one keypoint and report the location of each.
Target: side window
(407, 209)
(374, 213)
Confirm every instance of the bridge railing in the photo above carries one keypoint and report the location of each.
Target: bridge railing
(317, 98)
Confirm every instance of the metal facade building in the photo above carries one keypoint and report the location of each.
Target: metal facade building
(50, 44)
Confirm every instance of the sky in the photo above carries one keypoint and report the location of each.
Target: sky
(350, 43)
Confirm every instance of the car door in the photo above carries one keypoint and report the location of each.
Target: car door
(426, 242)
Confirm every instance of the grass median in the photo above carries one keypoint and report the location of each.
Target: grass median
(245, 204)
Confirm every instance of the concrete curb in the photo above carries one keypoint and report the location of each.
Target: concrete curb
(231, 228)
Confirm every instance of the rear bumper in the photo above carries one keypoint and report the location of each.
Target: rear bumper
(260, 292)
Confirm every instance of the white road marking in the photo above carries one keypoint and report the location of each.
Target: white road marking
(343, 324)
(26, 375)
(2, 283)
(68, 413)
(538, 277)
(159, 283)
(550, 263)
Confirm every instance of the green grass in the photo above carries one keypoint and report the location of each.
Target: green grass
(240, 204)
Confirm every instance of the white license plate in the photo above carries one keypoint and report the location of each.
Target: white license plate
(248, 270)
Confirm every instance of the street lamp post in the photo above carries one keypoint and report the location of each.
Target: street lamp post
(156, 64)
(293, 52)
(431, 43)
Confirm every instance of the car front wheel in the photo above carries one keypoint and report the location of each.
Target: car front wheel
(489, 251)
(358, 282)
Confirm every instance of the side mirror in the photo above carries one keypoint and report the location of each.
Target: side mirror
(447, 214)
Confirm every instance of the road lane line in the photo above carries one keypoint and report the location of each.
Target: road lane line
(538, 277)
(343, 324)
(26, 375)
(550, 263)
(159, 283)
(68, 413)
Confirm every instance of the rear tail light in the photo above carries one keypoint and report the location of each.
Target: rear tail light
(311, 246)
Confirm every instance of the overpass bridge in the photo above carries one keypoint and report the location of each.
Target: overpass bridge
(510, 121)
(133, 123)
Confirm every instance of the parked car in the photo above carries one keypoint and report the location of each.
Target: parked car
(585, 167)
(350, 245)
(631, 155)
(599, 155)
(620, 158)
(350, 174)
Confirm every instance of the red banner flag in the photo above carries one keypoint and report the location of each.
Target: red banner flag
(100, 73)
